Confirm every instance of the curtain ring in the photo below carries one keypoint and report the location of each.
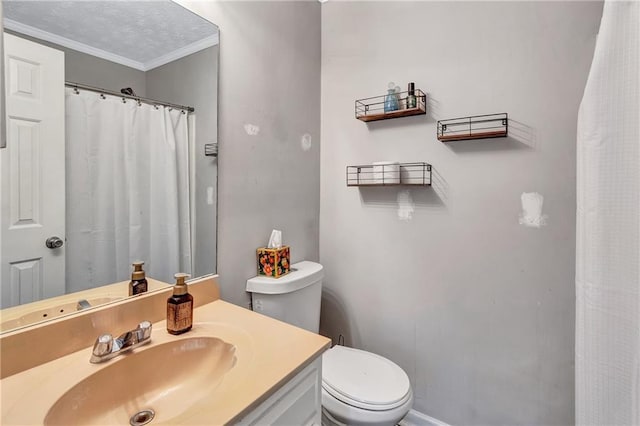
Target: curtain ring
(124, 100)
(76, 91)
(102, 96)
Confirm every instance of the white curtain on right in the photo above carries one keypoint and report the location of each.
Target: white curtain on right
(127, 190)
(608, 226)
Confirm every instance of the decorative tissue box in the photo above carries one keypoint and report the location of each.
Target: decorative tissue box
(273, 262)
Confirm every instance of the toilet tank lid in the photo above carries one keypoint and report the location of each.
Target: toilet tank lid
(302, 274)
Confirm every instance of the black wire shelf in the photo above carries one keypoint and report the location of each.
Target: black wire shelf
(418, 174)
(211, 149)
(372, 109)
(474, 127)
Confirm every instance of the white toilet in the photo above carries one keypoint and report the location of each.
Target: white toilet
(358, 387)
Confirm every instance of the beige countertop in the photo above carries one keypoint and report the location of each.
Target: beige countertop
(268, 352)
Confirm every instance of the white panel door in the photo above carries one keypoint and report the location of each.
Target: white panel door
(32, 173)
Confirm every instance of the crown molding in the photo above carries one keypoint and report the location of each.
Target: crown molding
(194, 47)
(103, 54)
(71, 44)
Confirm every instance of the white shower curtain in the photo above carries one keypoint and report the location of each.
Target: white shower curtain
(608, 226)
(127, 190)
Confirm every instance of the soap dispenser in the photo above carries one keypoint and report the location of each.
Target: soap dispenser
(180, 307)
(138, 282)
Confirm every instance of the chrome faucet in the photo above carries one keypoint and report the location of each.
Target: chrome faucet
(106, 347)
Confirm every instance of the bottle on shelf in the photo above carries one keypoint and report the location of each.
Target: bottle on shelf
(398, 90)
(391, 99)
(412, 102)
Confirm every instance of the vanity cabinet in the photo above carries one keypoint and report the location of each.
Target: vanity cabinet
(297, 402)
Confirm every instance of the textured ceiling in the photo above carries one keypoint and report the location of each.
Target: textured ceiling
(141, 31)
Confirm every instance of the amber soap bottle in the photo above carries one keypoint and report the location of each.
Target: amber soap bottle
(180, 307)
(138, 284)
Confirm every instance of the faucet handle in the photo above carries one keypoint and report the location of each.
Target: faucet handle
(106, 347)
(103, 345)
(144, 330)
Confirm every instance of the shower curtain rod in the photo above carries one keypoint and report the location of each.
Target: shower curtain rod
(122, 95)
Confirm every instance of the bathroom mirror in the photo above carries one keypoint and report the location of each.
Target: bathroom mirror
(111, 152)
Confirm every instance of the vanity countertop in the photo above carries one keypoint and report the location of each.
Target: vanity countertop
(269, 353)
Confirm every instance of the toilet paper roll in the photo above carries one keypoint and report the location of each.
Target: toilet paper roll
(387, 172)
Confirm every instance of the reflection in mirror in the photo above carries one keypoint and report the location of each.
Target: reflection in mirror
(110, 105)
(56, 307)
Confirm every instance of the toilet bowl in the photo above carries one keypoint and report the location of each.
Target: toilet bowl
(358, 387)
(362, 388)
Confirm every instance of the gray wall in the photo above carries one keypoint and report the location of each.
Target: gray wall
(476, 308)
(94, 71)
(193, 81)
(269, 78)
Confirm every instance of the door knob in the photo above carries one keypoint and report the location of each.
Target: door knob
(54, 242)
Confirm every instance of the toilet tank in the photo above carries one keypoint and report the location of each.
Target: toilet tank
(293, 298)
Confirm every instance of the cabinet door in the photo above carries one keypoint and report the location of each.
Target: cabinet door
(298, 402)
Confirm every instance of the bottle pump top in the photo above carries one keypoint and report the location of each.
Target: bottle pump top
(181, 286)
(138, 273)
(412, 88)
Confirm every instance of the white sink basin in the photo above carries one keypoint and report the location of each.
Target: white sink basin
(167, 379)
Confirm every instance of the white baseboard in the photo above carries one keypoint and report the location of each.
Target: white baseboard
(416, 418)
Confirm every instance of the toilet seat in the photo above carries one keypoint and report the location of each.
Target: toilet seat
(364, 380)
(359, 404)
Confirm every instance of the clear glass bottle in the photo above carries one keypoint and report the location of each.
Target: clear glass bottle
(398, 90)
(391, 99)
